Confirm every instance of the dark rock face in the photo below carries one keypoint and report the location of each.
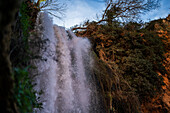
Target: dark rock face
(8, 9)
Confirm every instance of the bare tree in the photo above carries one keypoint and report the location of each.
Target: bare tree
(127, 9)
(53, 7)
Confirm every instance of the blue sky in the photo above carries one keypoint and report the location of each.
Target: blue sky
(161, 12)
(80, 10)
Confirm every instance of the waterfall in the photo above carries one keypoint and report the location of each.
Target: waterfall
(63, 71)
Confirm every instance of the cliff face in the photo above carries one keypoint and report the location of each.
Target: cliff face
(161, 103)
(7, 13)
(136, 62)
(116, 95)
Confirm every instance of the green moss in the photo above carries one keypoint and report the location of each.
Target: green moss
(24, 93)
(21, 56)
(25, 20)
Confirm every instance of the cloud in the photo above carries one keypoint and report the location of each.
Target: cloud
(79, 11)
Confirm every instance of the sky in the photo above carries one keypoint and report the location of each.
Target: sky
(78, 11)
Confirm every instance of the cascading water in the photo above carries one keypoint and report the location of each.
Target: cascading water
(63, 72)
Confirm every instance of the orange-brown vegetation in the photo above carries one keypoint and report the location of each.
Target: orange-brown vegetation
(161, 103)
(104, 40)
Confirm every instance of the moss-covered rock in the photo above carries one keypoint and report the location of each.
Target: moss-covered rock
(116, 95)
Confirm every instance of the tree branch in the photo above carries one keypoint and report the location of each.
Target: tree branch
(78, 28)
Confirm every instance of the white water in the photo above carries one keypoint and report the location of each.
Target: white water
(64, 74)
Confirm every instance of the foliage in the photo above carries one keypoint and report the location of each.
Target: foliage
(24, 93)
(136, 54)
(21, 56)
(24, 19)
(141, 59)
(117, 95)
(20, 52)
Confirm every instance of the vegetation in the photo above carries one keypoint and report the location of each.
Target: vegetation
(53, 7)
(20, 56)
(117, 94)
(21, 53)
(24, 93)
(131, 57)
(127, 9)
(133, 51)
